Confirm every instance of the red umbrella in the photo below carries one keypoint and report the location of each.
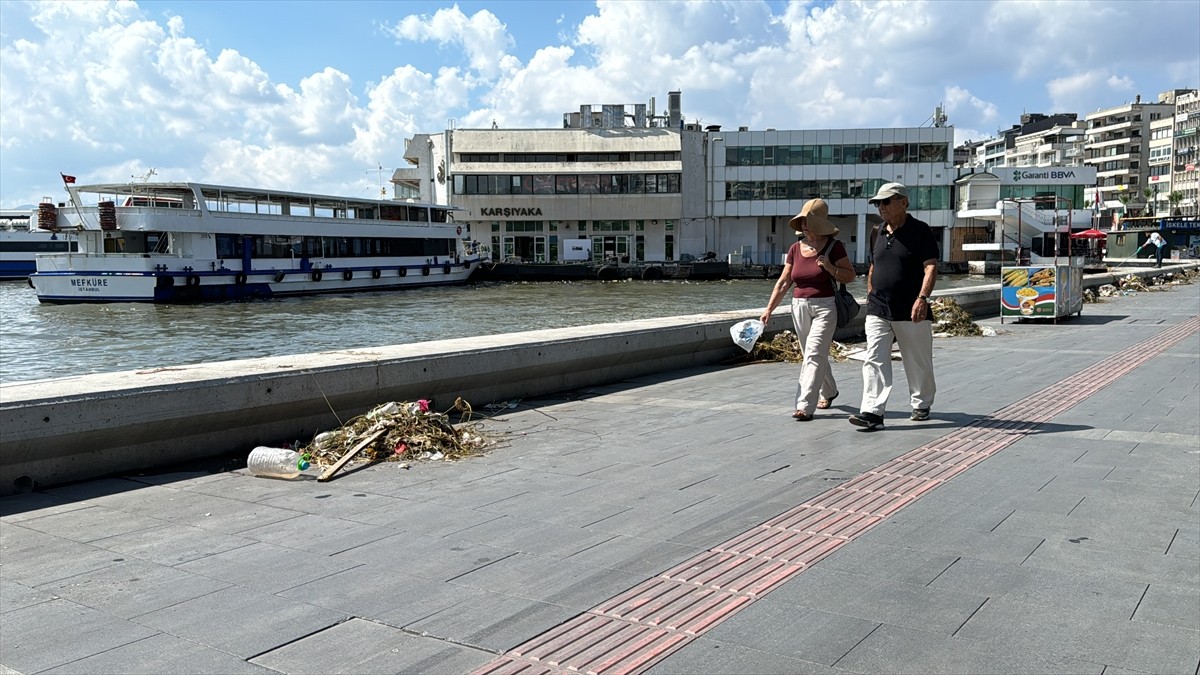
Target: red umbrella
(1089, 234)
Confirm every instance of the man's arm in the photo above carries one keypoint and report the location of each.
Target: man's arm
(920, 308)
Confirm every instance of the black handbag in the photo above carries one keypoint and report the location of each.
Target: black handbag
(847, 306)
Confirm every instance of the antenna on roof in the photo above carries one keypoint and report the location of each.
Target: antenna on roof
(145, 178)
(379, 176)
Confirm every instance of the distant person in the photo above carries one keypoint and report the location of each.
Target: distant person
(901, 276)
(809, 270)
(1156, 240)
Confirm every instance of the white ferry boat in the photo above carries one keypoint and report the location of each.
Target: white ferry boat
(19, 244)
(189, 242)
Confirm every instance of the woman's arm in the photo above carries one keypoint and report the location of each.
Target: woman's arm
(777, 293)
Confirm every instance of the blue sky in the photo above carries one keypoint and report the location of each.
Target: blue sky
(310, 96)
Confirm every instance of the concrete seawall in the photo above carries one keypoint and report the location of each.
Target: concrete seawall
(76, 428)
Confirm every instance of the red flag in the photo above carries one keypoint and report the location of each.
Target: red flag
(66, 178)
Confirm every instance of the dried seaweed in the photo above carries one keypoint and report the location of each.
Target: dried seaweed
(411, 431)
(951, 319)
(784, 346)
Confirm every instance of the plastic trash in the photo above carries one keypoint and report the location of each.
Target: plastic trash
(746, 333)
(276, 462)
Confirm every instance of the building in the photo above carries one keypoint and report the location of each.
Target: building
(1119, 148)
(1185, 178)
(613, 176)
(638, 187)
(760, 179)
(1011, 212)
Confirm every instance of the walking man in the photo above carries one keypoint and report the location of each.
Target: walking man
(1156, 240)
(901, 276)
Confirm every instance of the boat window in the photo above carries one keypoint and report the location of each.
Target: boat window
(227, 246)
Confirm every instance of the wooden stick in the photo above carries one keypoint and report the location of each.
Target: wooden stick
(349, 454)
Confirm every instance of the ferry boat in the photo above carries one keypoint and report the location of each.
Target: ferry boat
(167, 242)
(19, 244)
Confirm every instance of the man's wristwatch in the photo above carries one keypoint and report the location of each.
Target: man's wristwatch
(923, 298)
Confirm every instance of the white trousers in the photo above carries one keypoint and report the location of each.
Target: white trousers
(916, 351)
(815, 320)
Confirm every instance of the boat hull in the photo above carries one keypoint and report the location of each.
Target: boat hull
(73, 287)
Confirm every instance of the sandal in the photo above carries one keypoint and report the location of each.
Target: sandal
(801, 416)
(827, 403)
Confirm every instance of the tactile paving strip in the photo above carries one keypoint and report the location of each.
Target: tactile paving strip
(650, 621)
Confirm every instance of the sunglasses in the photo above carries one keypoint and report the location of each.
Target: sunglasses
(885, 202)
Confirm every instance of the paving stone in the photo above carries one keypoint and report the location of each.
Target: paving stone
(553, 581)
(638, 556)
(435, 558)
(332, 502)
(266, 567)
(895, 649)
(438, 520)
(92, 523)
(894, 563)
(358, 646)
(388, 595)
(795, 632)
(49, 634)
(33, 558)
(133, 587)
(1025, 627)
(263, 623)
(573, 510)
(161, 655)
(712, 656)
(318, 534)
(878, 600)
(1136, 566)
(1141, 533)
(16, 508)
(170, 544)
(939, 536)
(1074, 590)
(493, 621)
(14, 595)
(530, 536)
(1170, 606)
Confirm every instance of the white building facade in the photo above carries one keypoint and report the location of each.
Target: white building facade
(760, 179)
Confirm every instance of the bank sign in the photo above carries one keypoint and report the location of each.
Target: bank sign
(1074, 175)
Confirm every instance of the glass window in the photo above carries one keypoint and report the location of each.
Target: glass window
(566, 185)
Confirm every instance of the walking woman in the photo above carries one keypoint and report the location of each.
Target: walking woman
(811, 266)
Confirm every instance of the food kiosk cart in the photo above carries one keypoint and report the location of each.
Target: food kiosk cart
(1041, 291)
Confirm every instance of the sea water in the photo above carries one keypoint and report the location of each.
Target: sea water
(40, 341)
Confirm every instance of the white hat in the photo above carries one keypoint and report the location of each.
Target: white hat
(889, 190)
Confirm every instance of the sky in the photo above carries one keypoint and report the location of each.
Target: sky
(318, 96)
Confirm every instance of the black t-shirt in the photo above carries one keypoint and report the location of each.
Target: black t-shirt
(899, 269)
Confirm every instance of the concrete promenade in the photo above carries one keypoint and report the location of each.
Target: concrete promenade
(1046, 519)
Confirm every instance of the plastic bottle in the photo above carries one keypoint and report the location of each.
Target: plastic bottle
(276, 462)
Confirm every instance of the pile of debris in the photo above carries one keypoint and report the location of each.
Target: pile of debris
(784, 346)
(951, 320)
(399, 432)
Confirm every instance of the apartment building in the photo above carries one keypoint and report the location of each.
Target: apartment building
(1185, 178)
(1118, 147)
(1060, 145)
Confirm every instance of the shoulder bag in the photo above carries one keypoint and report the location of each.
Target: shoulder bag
(847, 306)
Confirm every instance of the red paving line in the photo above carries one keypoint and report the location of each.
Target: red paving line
(652, 620)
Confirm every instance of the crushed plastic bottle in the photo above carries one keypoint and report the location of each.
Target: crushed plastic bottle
(276, 462)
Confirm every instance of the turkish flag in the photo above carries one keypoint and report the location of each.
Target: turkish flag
(66, 178)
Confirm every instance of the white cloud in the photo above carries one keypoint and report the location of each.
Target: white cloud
(102, 90)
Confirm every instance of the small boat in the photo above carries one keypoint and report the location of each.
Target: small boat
(169, 242)
(19, 244)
